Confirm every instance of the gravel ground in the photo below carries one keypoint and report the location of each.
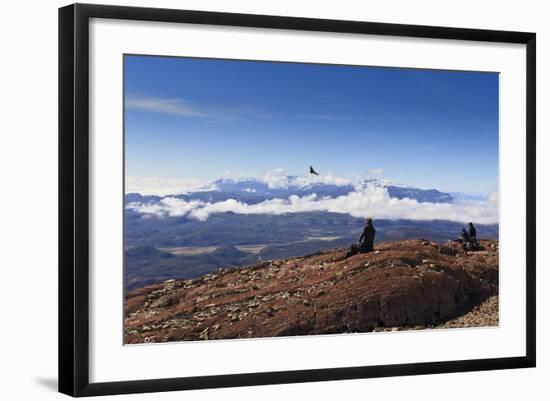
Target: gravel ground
(483, 315)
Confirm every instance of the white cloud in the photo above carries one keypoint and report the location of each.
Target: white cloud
(175, 106)
(277, 179)
(164, 186)
(184, 108)
(371, 201)
(329, 179)
(376, 171)
(493, 198)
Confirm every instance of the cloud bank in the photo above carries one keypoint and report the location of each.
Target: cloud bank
(277, 179)
(165, 186)
(370, 201)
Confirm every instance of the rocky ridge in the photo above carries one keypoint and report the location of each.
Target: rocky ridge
(410, 284)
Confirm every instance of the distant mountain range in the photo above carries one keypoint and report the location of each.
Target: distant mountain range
(254, 190)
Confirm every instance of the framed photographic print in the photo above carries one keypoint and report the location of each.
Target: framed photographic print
(249, 199)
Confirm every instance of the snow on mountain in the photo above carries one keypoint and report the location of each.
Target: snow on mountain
(275, 184)
(278, 180)
(282, 186)
(400, 191)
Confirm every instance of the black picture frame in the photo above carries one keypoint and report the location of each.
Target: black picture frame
(74, 198)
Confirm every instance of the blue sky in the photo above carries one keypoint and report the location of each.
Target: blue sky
(200, 118)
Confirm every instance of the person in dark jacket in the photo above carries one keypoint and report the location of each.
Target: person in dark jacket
(366, 240)
(465, 240)
(473, 234)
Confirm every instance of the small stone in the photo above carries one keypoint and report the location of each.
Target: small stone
(204, 334)
(169, 285)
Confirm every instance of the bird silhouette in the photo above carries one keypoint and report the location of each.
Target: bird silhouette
(312, 171)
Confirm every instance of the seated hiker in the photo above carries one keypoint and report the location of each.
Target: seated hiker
(473, 234)
(465, 240)
(366, 240)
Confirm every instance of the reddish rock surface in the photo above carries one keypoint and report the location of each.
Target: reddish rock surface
(403, 284)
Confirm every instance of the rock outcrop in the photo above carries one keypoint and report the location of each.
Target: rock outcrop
(402, 285)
